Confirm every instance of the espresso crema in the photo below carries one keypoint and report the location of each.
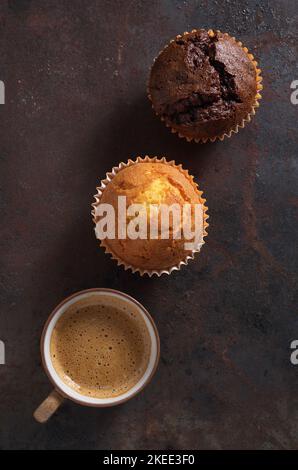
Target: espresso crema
(100, 349)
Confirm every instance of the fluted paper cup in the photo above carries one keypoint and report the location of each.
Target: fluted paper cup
(237, 126)
(103, 185)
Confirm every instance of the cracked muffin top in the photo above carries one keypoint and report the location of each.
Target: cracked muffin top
(203, 84)
(152, 183)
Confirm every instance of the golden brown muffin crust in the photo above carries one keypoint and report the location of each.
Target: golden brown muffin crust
(150, 183)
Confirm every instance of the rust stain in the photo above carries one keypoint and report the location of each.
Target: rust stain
(250, 218)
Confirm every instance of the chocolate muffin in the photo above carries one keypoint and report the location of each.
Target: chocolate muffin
(151, 181)
(204, 85)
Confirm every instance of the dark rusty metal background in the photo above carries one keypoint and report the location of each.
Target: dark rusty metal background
(75, 75)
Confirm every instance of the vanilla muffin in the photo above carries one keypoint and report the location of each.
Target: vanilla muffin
(148, 182)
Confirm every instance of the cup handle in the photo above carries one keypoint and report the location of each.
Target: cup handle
(48, 407)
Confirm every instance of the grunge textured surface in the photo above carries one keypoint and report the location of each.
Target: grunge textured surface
(75, 76)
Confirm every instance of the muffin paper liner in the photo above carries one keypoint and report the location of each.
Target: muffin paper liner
(110, 175)
(255, 105)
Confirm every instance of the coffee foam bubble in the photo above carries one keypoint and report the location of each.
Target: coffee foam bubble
(100, 350)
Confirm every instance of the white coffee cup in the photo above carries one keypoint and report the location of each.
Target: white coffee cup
(61, 389)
